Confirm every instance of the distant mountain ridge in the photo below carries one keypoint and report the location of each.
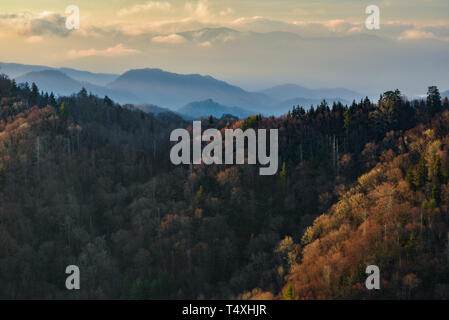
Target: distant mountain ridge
(14, 70)
(292, 91)
(174, 91)
(61, 84)
(209, 107)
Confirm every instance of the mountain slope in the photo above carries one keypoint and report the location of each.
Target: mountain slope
(99, 79)
(209, 107)
(52, 80)
(396, 218)
(151, 108)
(61, 84)
(14, 70)
(292, 91)
(175, 90)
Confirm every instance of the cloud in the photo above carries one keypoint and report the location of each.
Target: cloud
(150, 5)
(34, 39)
(206, 44)
(27, 24)
(118, 50)
(171, 38)
(244, 20)
(416, 35)
(199, 11)
(226, 12)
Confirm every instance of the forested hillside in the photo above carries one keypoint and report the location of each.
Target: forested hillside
(88, 182)
(395, 217)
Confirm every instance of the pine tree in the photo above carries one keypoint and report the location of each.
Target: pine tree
(107, 101)
(410, 179)
(52, 100)
(82, 93)
(436, 194)
(34, 94)
(14, 88)
(421, 172)
(437, 171)
(433, 100)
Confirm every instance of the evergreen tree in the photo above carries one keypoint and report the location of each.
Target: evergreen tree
(107, 101)
(34, 94)
(438, 176)
(421, 172)
(410, 179)
(82, 93)
(436, 194)
(52, 100)
(433, 100)
(14, 88)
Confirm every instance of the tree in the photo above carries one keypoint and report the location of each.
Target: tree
(283, 178)
(14, 88)
(107, 101)
(34, 94)
(433, 100)
(52, 100)
(421, 172)
(199, 198)
(410, 179)
(437, 171)
(387, 113)
(64, 113)
(289, 294)
(82, 93)
(436, 194)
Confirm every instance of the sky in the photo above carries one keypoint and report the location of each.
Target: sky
(251, 43)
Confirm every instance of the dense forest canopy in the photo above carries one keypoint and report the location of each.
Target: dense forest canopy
(88, 182)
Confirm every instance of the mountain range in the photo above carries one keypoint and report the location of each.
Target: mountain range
(209, 107)
(292, 91)
(175, 90)
(193, 95)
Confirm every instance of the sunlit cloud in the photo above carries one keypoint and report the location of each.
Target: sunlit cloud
(34, 39)
(148, 6)
(206, 44)
(27, 24)
(199, 11)
(171, 39)
(118, 50)
(416, 34)
(226, 12)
